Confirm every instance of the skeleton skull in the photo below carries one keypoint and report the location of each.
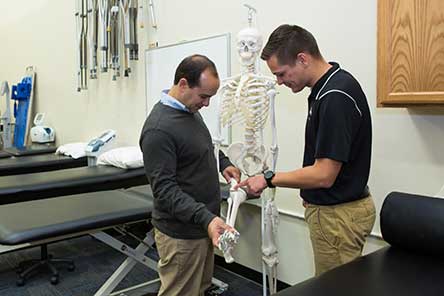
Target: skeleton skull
(249, 43)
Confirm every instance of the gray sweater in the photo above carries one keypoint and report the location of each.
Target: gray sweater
(180, 165)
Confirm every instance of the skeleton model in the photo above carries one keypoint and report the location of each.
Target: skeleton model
(248, 98)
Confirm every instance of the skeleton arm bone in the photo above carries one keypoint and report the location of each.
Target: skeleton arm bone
(274, 146)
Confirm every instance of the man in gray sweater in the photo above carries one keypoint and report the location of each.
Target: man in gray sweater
(182, 170)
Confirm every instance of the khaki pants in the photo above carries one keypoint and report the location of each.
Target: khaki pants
(185, 265)
(338, 232)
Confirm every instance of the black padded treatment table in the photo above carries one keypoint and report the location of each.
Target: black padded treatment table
(413, 264)
(37, 220)
(26, 187)
(4, 154)
(33, 149)
(40, 222)
(38, 163)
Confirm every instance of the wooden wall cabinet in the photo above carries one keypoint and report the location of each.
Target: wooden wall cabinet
(410, 53)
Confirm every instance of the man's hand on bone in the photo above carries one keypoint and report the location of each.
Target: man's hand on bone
(216, 228)
(231, 172)
(253, 185)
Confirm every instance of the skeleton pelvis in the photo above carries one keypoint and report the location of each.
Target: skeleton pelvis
(250, 164)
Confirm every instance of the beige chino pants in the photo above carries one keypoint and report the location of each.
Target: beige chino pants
(338, 232)
(185, 265)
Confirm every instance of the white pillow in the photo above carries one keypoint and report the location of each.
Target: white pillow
(75, 150)
(123, 157)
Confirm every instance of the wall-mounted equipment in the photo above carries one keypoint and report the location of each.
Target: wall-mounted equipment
(5, 119)
(106, 31)
(22, 94)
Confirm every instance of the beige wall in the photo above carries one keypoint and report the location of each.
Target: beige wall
(407, 146)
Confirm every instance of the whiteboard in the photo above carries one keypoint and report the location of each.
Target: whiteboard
(161, 64)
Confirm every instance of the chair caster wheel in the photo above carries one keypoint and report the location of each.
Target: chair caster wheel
(71, 267)
(54, 280)
(20, 282)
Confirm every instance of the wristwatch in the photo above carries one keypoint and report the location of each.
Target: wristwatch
(269, 175)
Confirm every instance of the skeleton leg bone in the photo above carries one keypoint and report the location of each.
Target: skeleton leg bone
(269, 248)
(237, 197)
(228, 240)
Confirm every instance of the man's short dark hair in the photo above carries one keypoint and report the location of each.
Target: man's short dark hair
(192, 67)
(287, 41)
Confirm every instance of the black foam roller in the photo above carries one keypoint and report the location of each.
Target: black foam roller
(413, 222)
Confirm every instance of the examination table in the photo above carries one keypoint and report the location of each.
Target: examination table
(38, 163)
(26, 187)
(39, 222)
(32, 149)
(4, 154)
(52, 206)
(413, 264)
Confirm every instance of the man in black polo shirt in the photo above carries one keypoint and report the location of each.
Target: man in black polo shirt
(339, 209)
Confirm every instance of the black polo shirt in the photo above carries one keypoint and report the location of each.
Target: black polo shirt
(339, 127)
